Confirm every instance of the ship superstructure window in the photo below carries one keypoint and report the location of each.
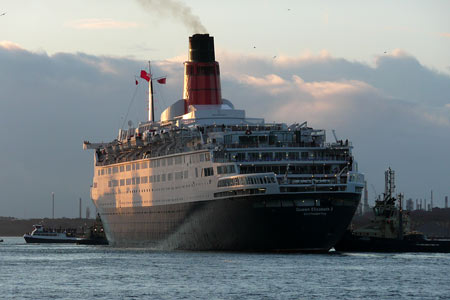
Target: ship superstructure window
(115, 170)
(226, 169)
(98, 172)
(109, 170)
(179, 175)
(138, 180)
(293, 156)
(253, 156)
(128, 167)
(169, 177)
(169, 161)
(185, 175)
(178, 160)
(207, 172)
(128, 181)
(144, 165)
(144, 179)
(163, 177)
(121, 168)
(122, 182)
(280, 155)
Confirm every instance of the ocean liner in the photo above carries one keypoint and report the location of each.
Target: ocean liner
(206, 177)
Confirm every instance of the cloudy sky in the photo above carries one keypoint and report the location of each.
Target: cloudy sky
(378, 73)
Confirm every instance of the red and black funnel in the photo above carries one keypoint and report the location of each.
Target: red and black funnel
(201, 73)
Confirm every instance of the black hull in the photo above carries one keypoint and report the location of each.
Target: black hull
(32, 240)
(253, 223)
(352, 243)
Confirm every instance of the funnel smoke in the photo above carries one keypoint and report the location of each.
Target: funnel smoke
(176, 9)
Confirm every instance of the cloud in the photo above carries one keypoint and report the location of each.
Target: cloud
(100, 24)
(8, 45)
(396, 113)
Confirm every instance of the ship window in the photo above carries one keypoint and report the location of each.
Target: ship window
(196, 172)
(158, 178)
(169, 177)
(137, 166)
(253, 156)
(220, 170)
(163, 162)
(144, 165)
(115, 183)
(178, 160)
(163, 177)
(133, 180)
(109, 170)
(185, 175)
(121, 169)
(267, 156)
(128, 168)
(202, 157)
(128, 181)
(207, 156)
(179, 175)
(144, 179)
(280, 155)
(207, 172)
(169, 161)
(293, 155)
(109, 183)
(122, 182)
(305, 155)
(115, 170)
(98, 172)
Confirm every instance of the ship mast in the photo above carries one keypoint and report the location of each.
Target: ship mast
(151, 109)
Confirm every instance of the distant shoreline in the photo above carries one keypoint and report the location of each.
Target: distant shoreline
(18, 227)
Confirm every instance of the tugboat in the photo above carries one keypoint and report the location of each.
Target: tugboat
(390, 230)
(96, 234)
(43, 235)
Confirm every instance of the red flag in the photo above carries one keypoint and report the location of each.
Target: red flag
(162, 80)
(145, 75)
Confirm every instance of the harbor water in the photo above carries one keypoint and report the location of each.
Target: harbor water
(56, 271)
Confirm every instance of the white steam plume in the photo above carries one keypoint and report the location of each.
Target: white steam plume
(176, 9)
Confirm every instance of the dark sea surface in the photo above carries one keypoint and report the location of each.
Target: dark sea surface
(56, 271)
